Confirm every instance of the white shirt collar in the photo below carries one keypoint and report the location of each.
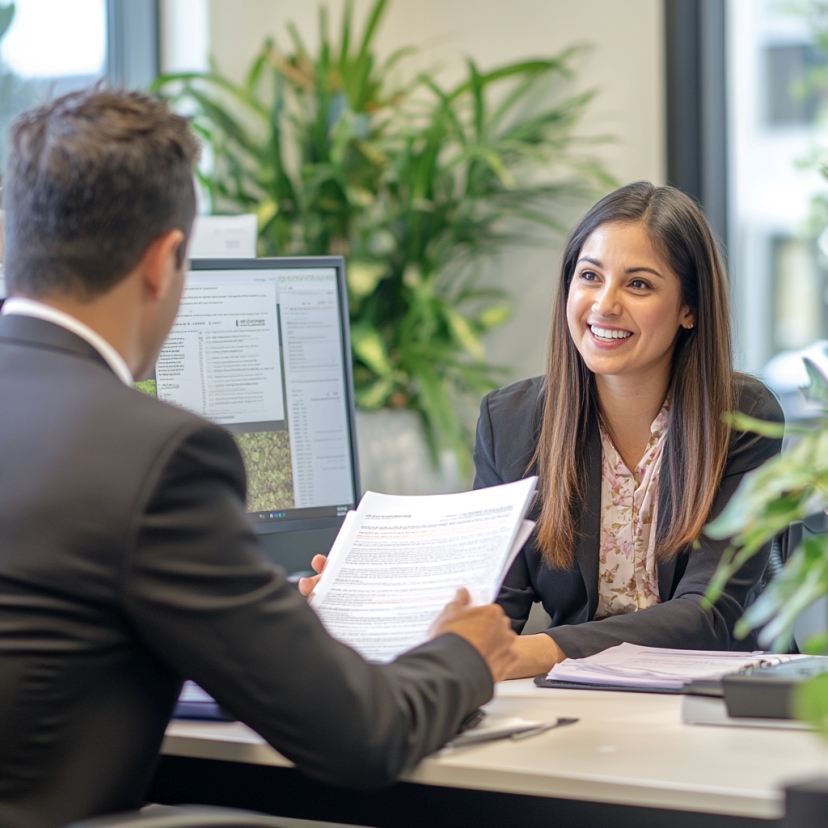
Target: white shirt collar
(20, 306)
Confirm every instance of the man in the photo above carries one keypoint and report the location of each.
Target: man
(126, 561)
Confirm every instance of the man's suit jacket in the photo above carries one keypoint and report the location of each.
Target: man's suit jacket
(127, 564)
(507, 434)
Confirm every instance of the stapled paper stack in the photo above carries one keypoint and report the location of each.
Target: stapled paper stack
(397, 561)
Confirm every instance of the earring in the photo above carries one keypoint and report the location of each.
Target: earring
(690, 326)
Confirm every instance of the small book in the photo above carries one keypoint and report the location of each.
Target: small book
(398, 560)
(655, 669)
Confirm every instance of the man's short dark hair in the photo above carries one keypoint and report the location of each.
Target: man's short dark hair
(92, 180)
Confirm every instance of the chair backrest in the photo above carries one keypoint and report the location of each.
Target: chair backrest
(814, 619)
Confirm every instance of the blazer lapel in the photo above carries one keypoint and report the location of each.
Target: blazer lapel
(28, 330)
(588, 543)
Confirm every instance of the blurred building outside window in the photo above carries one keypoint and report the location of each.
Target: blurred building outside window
(778, 245)
(47, 48)
(50, 48)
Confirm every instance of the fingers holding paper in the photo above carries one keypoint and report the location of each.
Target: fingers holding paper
(307, 585)
(485, 627)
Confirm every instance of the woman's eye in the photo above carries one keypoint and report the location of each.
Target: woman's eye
(588, 275)
(639, 284)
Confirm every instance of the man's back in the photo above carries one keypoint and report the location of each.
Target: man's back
(83, 703)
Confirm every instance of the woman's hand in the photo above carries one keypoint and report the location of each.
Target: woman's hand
(536, 655)
(307, 585)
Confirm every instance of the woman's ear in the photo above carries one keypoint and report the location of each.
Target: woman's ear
(687, 318)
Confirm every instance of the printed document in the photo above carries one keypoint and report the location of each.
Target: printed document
(397, 561)
(631, 665)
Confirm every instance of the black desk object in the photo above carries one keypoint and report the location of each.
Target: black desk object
(767, 692)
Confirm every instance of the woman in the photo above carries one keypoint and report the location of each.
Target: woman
(626, 434)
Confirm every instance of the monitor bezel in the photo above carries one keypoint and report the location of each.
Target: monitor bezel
(288, 263)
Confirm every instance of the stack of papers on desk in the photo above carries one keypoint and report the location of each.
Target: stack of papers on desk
(398, 560)
(634, 667)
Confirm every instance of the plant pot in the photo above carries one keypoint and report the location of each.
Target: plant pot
(394, 458)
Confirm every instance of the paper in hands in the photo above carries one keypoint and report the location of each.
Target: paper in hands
(398, 560)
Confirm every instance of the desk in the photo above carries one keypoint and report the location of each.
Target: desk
(629, 761)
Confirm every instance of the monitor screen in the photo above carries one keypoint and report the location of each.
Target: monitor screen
(261, 346)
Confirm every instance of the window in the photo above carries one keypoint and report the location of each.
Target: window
(790, 99)
(48, 48)
(776, 107)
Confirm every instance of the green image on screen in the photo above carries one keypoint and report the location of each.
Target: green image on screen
(149, 386)
(269, 471)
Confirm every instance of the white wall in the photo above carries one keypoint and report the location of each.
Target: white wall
(626, 66)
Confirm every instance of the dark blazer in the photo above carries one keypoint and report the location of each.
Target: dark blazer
(126, 565)
(507, 434)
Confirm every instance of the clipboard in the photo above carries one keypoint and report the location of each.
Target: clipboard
(698, 687)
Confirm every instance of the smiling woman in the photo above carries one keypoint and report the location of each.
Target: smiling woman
(626, 433)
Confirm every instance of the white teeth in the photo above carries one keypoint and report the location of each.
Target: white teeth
(605, 333)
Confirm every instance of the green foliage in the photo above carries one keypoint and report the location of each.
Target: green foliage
(413, 182)
(6, 18)
(785, 489)
(810, 703)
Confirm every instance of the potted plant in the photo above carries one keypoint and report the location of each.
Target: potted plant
(413, 182)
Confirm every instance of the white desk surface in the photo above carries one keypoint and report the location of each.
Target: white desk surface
(627, 748)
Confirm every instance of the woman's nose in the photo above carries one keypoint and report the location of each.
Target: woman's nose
(606, 302)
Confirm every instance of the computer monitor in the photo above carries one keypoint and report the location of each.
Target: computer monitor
(261, 346)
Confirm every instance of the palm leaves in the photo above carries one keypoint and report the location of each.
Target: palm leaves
(414, 183)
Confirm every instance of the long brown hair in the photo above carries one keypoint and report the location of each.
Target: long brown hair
(701, 386)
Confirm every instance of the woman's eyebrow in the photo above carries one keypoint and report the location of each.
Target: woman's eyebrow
(635, 269)
(644, 270)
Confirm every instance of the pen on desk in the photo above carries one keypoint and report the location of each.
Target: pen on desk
(536, 731)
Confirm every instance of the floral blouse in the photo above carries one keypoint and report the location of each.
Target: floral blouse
(627, 569)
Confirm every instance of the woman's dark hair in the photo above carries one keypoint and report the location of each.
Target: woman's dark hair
(701, 386)
(92, 180)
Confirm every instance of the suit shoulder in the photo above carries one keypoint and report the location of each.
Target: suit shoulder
(756, 399)
(747, 449)
(515, 403)
(159, 426)
(507, 431)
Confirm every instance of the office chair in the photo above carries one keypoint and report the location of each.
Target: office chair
(789, 539)
(190, 816)
(815, 618)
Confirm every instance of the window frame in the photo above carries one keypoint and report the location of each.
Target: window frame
(695, 42)
(133, 43)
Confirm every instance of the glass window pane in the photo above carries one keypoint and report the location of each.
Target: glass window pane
(776, 114)
(51, 47)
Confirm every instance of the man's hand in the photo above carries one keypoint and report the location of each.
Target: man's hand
(307, 585)
(486, 628)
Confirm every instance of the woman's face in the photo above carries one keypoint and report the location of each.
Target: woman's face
(624, 307)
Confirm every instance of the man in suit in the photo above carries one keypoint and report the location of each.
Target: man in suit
(126, 560)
